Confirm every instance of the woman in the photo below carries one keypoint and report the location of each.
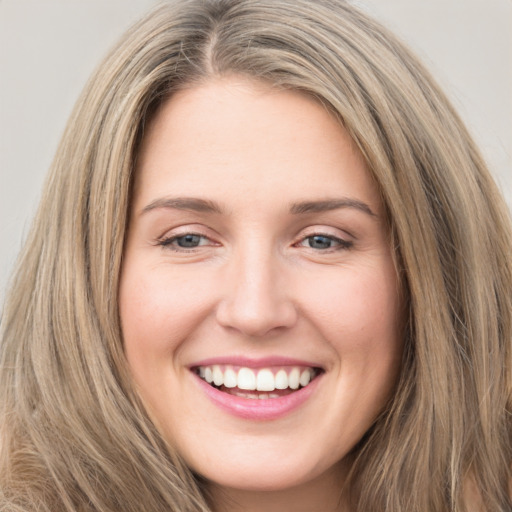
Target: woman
(269, 271)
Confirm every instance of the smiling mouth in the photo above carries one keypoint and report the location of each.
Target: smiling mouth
(263, 383)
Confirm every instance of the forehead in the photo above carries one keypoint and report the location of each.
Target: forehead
(236, 131)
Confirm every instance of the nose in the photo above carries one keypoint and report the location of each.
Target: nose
(255, 301)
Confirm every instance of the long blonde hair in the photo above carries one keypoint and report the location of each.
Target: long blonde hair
(74, 436)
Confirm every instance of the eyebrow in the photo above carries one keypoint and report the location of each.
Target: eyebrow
(184, 203)
(300, 208)
(330, 204)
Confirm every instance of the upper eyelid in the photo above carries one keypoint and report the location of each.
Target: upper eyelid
(330, 231)
(186, 229)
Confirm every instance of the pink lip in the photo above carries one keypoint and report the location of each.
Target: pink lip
(254, 363)
(256, 409)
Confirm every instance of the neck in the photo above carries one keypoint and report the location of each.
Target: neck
(323, 493)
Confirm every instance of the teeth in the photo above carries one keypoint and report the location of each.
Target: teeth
(281, 380)
(264, 380)
(230, 379)
(246, 379)
(218, 376)
(293, 379)
(305, 378)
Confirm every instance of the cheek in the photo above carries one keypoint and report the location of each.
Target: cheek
(156, 317)
(157, 308)
(143, 309)
(359, 316)
(356, 309)
(148, 310)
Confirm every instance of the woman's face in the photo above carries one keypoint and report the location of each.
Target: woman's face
(257, 256)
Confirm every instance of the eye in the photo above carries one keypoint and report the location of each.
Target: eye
(323, 242)
(185, 241)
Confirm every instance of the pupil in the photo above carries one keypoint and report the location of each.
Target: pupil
(188, 240)
(319, 242)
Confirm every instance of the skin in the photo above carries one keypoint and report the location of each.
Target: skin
(259, 285)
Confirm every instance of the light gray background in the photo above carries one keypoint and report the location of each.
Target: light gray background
(48, 48)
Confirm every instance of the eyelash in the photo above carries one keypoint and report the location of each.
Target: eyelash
(341, 243)
(168, 241)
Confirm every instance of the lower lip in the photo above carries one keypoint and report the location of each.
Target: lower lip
(258, 409)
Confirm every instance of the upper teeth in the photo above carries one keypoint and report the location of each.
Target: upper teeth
(264, 379)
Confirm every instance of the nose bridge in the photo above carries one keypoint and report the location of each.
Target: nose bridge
(255, 300)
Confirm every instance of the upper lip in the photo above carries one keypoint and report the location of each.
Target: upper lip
(261, 362)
